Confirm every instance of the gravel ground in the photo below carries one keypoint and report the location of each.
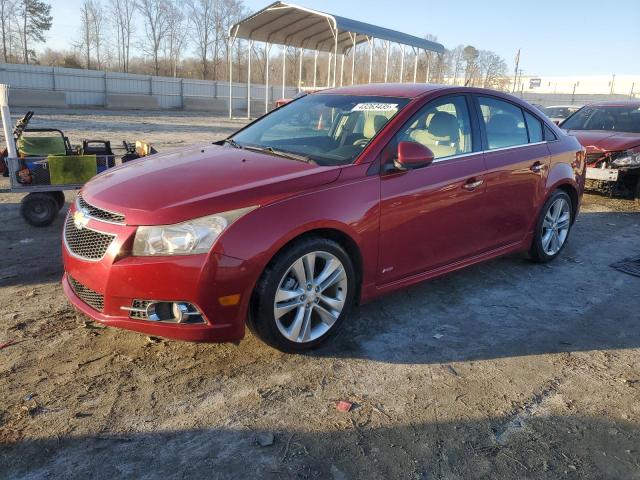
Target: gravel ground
(506, 370)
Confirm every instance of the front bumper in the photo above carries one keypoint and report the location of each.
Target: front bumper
(198, 279)
(618, 182)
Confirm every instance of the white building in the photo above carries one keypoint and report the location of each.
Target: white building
(580, 85)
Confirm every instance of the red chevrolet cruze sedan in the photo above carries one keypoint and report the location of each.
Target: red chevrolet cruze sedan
(332, 200)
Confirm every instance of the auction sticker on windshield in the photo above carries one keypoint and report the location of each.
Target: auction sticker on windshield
(375, 107)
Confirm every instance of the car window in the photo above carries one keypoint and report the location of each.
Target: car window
(621, 118)
(324, 129)
(443, 126)
(534, 126)
(504, 123)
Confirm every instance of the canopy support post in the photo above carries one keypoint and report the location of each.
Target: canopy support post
(353, 59)
(335, 56)
(249, 80)
(428, 66)
(232, 39)
(386, 64)
(415, 66)
(300, 71)
(341, 68)
(402, 63)
(329, 71)
(284, 68)
(267, 54)
(315, 67)
(370, 40)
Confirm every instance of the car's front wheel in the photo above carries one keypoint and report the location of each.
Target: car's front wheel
(304, 295)
(553, 227)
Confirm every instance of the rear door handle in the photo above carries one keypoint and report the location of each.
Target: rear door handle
(537, 167)
(472, 184)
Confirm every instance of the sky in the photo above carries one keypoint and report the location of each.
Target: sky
(556, 37)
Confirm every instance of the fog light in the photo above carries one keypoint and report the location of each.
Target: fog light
(173, 312)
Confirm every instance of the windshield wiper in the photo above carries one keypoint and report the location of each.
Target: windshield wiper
(232, 142)
(279, 153)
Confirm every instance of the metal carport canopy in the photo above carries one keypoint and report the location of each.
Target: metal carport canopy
(288, 24)
(291, 25)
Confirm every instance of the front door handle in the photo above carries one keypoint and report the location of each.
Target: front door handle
(472, 184)
(537, 167)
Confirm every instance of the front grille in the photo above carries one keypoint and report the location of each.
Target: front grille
(98, 213)
(88, 296)
(85, 243)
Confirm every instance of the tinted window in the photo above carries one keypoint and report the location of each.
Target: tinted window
(325, 129)
(443, 126)
(614, 118)
(549, 136)
(504, 123)
(535, 128)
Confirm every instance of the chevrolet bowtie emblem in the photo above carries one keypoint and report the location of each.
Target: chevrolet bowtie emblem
(80, 219)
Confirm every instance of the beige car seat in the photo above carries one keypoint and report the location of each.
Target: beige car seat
(441, 136)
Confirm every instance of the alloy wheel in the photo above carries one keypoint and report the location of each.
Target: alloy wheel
(555, 226)
(310, 297)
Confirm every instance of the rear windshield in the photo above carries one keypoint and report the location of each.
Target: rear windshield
(322, 129)
(614, 118)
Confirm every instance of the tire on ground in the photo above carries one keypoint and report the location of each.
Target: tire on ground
(39, 209)
(261, 320)
(536, 252)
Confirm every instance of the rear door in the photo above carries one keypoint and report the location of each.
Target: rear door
(433, 216)
(517, 160)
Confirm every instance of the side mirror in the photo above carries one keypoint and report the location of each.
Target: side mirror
(412, 155)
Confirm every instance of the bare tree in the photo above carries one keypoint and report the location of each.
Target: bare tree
(470, 54)
(96, 17)
(35, 20)
(226, 13)
(202, 17)
(6, 15)
(85, 43)
(492, 68)
(176, 36)
(155, 14)
(122, 11)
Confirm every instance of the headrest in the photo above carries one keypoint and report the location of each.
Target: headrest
(502, 123)
(444, 124)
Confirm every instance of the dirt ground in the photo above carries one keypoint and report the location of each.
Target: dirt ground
(507, 370)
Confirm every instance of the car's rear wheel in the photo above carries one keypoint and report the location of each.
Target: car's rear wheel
(553, 227)
(304, 296)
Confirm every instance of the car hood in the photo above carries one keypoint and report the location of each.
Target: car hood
(605, 141)
(198, 181)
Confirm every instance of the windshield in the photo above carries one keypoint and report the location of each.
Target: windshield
(323, 129)
(614, 118)
(559, 112)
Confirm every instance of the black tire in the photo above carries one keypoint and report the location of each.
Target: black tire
(262, 321)
(59, 198)
(536, 252)
(39, 209)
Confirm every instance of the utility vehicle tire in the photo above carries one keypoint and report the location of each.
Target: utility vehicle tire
(59, 198)
(304, 295)
(39, 209)
(552, 228)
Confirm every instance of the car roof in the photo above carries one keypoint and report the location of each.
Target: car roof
(616, 103)
(402, 90)
(563, 106)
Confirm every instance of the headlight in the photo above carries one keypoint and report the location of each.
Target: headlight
(630, 158)
(186, 238)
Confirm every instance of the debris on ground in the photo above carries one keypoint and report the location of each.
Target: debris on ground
(265, 439)
(344, 406)
(7, 344)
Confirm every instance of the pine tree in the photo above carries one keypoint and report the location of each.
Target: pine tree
(36, 20)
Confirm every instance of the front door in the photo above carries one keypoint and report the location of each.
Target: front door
(433, 216)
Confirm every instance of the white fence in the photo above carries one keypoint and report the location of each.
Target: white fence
(91, 87)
